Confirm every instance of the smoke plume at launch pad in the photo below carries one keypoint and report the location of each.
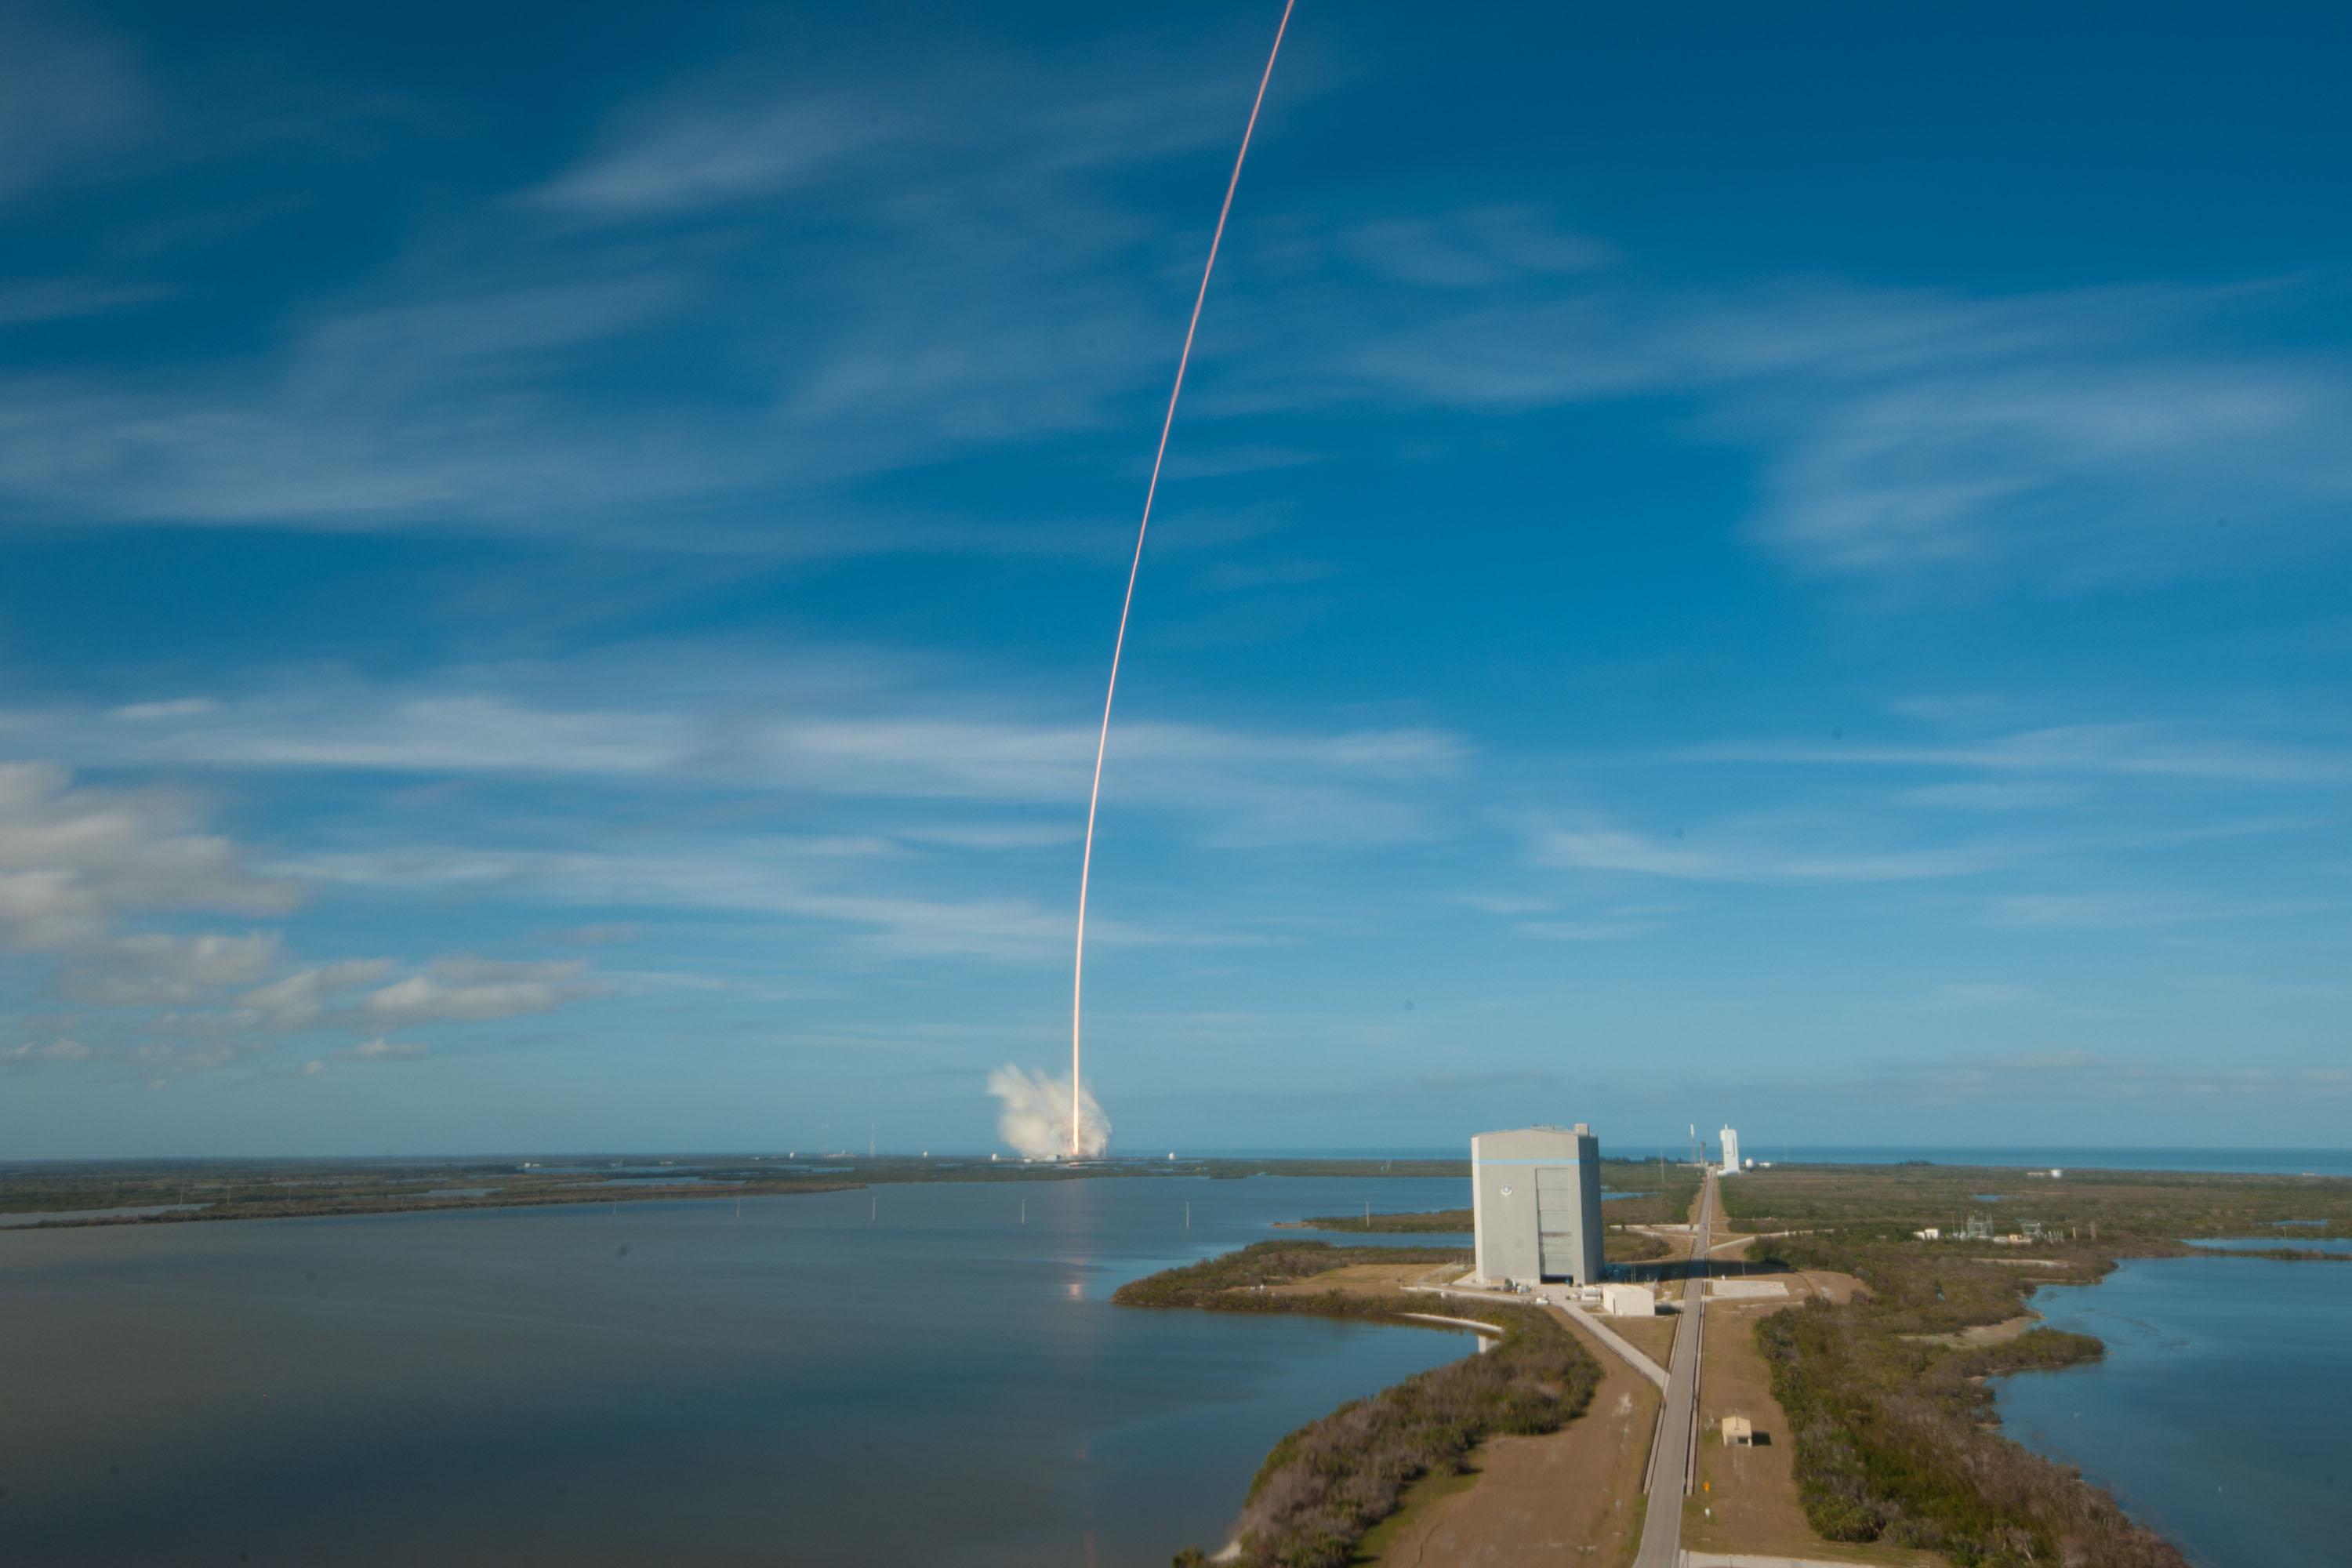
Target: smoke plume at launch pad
(1035, 1115)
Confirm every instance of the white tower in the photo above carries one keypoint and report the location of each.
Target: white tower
(1730, 1152)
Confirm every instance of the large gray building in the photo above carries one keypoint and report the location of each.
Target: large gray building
(1535, 1196)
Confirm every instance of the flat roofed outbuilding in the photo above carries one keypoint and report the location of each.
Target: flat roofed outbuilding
(1629, 1302)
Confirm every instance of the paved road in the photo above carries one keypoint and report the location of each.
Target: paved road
(1662, 1527)
(1616, 1341)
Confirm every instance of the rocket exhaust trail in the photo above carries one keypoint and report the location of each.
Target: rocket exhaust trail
(1102, 742)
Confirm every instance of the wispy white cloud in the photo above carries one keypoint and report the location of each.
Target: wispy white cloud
(170, 708)
(2097, 435)
(466, 969)
(1503, 903)
(956, 270)
(1479, 247)
(2126, 749)
(74, 858)
(1246, 787)
(745, 876)
(76, 862)
(384, 1050)
(1601, 847)
(32, 1053)
(2115, 911)
(980, 281)
(1995, 794)
(379, 1050)
(694, 153)
(1006, 835)
(300, 1000)
(157, 969)
(423, 999)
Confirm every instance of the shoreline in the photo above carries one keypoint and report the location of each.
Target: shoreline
(1323, 1487)
(557, 1197)
(2132, 1496)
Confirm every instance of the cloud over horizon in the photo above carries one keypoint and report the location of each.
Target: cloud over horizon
(1680, 587)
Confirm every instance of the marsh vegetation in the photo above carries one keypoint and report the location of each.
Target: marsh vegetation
(1324, 1486)
(1896, 1431)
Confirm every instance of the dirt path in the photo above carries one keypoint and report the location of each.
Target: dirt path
(1570, 1497)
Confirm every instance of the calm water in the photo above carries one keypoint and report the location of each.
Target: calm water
(2218, 1415)
(805, 1384)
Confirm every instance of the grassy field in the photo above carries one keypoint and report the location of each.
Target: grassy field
(1325, 1486)
(1747, 1499)
(2137, 1212)
(1568, 1497)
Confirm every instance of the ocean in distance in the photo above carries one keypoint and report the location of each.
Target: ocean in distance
(909, 1374)
(2251, 1162)
(2218, 1413)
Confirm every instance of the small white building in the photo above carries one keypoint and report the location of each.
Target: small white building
(1930, 1234)
(1629, 1300)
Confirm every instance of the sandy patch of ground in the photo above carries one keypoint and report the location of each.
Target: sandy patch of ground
(1999, 1334)
(1571, 1496)
(1820, 1282)
(1746, 1497)
(1369, 1279)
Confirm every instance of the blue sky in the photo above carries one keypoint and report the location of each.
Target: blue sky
(556, 566)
